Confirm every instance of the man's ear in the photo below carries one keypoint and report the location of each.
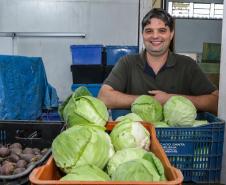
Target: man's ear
(171, 35)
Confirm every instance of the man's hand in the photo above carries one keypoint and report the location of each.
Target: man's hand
(115, 99)
(161, 96)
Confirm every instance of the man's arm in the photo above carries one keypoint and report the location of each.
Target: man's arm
(208, 103)
(115, 99)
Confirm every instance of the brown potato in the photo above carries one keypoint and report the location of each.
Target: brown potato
(28, 157)
(28, 150)
(36, 151)
(4, 151)
(21, 164)
(16, 145)
(7, 169)
(13, 158)
(16, 150)
(18, 170)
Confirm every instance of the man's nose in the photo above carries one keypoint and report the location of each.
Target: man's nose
(155, 34)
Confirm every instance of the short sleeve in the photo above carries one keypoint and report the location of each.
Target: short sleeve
(117, 78)
(199, 82)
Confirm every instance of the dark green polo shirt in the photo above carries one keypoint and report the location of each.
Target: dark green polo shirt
(180, 75)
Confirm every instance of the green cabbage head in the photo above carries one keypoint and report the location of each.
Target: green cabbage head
(129, 134)
(85, 110)
(160, 124)
(86, 173)
(157, 164)
(136, 170)
(130, 116)
(122, 156)
(82, 145)
(148, 108)
(198, 123)
(179, 111)
(80, 91)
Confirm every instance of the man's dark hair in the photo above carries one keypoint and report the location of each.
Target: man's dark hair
(159, 14)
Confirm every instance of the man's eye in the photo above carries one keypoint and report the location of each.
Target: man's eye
(148, 31)
(162, 30)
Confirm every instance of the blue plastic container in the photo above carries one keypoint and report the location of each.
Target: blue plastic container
(86, 54)
(115, 113)
(196, 151)
(114, 53)
(93, 88)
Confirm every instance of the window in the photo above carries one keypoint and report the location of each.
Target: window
(195, 10)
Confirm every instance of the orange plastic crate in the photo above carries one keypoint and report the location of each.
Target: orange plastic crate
(50, 174)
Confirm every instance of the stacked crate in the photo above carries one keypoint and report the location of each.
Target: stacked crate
(114, 53)
(87, 68)
(211, 61)
(211, 52)
(93, 63)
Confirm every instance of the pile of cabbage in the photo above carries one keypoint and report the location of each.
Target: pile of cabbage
(86, 152)
(178, 111)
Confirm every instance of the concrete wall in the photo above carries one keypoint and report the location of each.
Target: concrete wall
(190, 34)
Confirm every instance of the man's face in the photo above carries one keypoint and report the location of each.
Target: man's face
(157, 37)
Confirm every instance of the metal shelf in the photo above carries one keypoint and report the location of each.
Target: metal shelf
(41, 34)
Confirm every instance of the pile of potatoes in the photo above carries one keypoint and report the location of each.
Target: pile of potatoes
(15, 159)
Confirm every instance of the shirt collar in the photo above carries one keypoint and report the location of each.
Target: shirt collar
(169, 63)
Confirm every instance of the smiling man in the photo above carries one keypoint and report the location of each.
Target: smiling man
(157, 71)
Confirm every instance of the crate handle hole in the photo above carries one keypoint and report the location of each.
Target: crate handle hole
(24, 134)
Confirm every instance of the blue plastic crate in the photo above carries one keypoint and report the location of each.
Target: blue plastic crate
(93, 88)
(115, 113)
(197, 151)
(114, 53)
(86, 54)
